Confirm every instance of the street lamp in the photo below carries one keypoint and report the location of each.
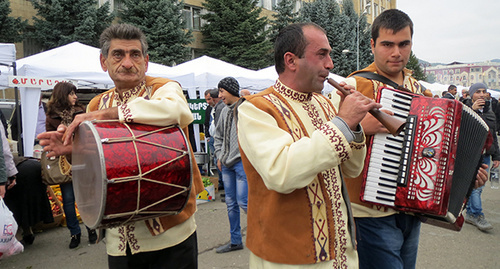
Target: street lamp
(365, 10)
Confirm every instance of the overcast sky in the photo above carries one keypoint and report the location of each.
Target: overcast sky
(454, 30)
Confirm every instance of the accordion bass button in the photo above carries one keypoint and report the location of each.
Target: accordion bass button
(428, 152)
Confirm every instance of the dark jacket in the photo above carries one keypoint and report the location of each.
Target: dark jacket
(489, 117)
(13, 122)
(448, 95)
(53, 120)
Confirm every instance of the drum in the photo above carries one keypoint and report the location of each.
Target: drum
(125, 172)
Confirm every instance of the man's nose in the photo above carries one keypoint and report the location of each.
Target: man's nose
(127, 62)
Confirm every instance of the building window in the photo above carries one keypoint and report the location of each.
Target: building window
(192, 17)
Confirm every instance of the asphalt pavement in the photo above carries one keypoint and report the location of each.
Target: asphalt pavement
(439, 248)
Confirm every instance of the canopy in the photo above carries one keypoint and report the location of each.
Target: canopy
(7, 53)
(7, 57)
(208, 72)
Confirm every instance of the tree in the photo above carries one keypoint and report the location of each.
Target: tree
(341, 25)
(414, 65)
(11, 29)
(327, 14)
(283, 17)
(60, 22)
(163, 24)
(234, 33)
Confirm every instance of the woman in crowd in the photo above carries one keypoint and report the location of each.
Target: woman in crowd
(61, 109)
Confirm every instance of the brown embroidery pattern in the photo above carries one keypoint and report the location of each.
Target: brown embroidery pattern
(335, 139)
(289, 93)
(340, 226)
(313, 114)
(123, 241)
(357, 146)
(127, 114)
(105, 100)
(133, 92)
(131, 237)
(327, 107)
(319, 221)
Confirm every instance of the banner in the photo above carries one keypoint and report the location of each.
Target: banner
(31, 82)
(198, 107)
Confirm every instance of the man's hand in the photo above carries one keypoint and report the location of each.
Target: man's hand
(372, 126)
(105, 114)
(52, 142)
(482, 176)
(354, 108)
(495, 164)
(11, 182)
(219, 165)
(478, 104)
(2, 191)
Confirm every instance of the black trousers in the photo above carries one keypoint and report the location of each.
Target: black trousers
(181, 256)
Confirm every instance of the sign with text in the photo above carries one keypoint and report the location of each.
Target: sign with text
(32, 82)
(198, 107)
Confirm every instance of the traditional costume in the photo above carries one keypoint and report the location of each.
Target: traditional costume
(159, 102)
(295, 152)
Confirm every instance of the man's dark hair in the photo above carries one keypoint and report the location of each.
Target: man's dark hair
(214, 93)
(392, 19)
(451, 87)
(291, 39)
(122, 31)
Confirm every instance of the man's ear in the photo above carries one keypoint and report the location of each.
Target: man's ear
(290, 60)
(103, 63)
(146, 59)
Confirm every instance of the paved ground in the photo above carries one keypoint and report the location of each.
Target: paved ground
(439, 248)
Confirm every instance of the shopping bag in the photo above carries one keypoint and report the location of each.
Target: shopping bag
(9, 245)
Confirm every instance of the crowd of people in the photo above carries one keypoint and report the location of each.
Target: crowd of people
(288, 156)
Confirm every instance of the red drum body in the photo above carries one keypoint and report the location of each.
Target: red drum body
(125, 172)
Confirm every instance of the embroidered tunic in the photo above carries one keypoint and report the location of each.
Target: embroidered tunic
(160, 102)
(293, 156)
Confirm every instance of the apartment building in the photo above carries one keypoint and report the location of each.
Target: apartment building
(467, 74)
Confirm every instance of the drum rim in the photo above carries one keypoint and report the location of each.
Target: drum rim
(191, 157)
(104, 177)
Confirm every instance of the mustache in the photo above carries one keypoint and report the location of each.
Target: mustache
(127, 70)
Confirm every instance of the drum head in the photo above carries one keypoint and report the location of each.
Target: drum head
(89, 174)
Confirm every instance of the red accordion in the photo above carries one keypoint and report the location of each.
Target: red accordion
(428, 170)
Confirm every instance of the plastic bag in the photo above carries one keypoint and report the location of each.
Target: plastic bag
(9, 245)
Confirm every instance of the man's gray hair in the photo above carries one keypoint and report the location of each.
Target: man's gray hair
(122, 31)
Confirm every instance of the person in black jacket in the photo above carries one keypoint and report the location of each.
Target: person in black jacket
(482, 107)
(450, 94)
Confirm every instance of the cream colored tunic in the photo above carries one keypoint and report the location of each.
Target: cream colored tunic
(286, 165)
(165, 107)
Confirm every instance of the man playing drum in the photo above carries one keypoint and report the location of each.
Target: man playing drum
(137, 98)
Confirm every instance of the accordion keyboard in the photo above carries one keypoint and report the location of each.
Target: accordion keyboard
(386, 152)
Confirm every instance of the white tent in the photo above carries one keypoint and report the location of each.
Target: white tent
(7, 58)
(208, 72)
